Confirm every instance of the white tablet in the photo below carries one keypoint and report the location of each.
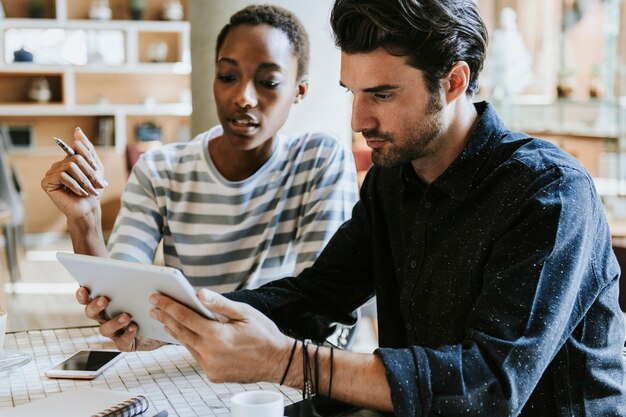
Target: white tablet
(128, 286)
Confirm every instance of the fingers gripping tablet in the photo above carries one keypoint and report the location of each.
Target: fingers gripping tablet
(128, 286)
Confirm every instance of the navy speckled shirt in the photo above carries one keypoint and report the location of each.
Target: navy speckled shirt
(496, 285)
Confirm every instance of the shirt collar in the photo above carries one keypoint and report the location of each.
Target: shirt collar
(457, 179)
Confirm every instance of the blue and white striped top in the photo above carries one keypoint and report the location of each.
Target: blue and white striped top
(268, 226)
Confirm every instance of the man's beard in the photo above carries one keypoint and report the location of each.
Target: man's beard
(417, 140)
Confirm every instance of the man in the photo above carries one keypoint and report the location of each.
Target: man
(488, 250)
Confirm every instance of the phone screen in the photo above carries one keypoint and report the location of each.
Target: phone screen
(86, 360)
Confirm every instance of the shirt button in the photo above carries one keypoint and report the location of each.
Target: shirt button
(427, 204)
(413, 264)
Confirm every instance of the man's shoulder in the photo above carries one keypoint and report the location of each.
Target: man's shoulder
(540, 156)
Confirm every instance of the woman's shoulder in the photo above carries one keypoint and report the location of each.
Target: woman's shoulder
(319, 143)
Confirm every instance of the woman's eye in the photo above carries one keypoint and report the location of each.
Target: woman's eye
(225, 78)
(270, 84)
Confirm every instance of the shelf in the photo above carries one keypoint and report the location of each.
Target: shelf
(152, 68)
(123, 25)
(26, 109)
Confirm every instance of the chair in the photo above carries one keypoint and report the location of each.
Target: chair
(10, 196)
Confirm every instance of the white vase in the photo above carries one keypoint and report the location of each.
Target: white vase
(100, 10)
(40, 90)
(173, 10)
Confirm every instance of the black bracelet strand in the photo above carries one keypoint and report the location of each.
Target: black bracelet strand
(316, 367)
(305, 367)
(293, 350)
(330, 378)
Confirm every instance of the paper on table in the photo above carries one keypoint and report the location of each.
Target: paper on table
(78, 402)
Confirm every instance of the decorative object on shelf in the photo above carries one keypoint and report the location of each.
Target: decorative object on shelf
(149, 101)
(40, 90)
(35, 9)
(147, 131)
(509, 64)
(20, 136)
(100, 10)
(94, 55)
(157, 52)
(597, 88)
(22, 55)
(101, 100)
(106, 131)
(135, 8)
(173, 10)
(565, 84)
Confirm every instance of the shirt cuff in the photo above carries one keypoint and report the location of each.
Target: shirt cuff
(410, 393)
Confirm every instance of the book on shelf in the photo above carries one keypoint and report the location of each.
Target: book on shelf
(106, 131)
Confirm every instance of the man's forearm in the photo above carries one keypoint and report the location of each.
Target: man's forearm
(357, 378)
(87, 237)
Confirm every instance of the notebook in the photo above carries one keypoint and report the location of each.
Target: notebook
(82, 402)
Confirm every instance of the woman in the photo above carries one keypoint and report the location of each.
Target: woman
(238, 205)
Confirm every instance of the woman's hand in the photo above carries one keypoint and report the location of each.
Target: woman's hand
(120, 328)
(76, 183)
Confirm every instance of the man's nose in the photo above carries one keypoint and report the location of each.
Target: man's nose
(362, 119)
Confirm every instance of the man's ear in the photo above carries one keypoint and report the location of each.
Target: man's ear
(455, 84)
(301, 90)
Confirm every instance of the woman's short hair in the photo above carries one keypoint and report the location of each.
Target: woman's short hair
(276, 17)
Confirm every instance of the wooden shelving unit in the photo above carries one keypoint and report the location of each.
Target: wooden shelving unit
(137, 87)
(92, 94)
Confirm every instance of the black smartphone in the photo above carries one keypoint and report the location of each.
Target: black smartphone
(84, 364)
(324, 407)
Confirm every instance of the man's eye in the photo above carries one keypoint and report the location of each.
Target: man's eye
(382, 96)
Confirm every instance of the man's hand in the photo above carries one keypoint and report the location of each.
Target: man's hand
(120, 328)
(75, 183)
(244, 348)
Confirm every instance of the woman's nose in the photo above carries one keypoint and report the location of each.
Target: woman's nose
(246, 96)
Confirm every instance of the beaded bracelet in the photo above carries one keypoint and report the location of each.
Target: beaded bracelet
(306, 387)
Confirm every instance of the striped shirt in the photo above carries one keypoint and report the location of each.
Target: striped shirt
(268, 226)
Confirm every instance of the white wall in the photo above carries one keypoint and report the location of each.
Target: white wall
(327, 106)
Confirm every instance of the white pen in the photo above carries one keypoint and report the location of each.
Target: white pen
(64, 146)
(71, 152)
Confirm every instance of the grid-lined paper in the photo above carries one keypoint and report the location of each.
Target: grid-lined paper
(170, 377)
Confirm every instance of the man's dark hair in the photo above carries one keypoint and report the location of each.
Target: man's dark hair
(278, 18)
(432, 34)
